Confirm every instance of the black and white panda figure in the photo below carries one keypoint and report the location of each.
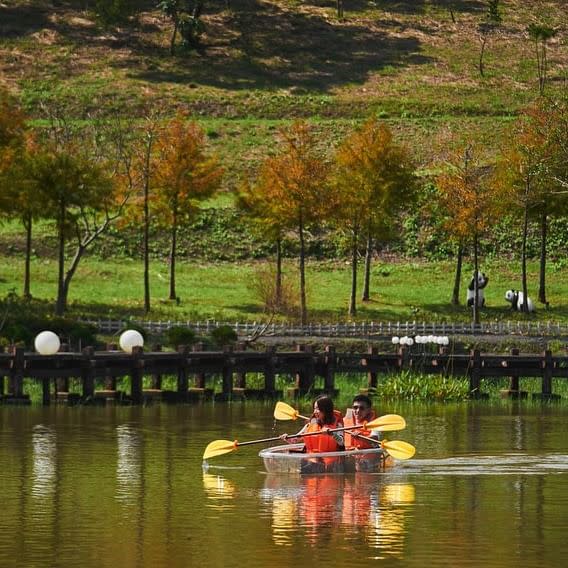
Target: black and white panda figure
(482, 282)
(516, 299)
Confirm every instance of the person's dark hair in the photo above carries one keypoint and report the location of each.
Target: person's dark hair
(363, 398)
(325, 405)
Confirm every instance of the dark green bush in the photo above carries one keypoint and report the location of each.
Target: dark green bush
(176, 336)
(223, 335)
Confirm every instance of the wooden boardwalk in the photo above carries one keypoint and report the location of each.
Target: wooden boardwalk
(115, 375)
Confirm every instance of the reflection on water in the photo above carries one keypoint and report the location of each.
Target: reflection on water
(99, 488)
(219, 492)
(504, 464)
(129, 463)
(360, 505)
(44, 461)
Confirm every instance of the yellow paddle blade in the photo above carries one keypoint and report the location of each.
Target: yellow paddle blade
(387, 423)
(283, 411)
(398, 449)
(218, 448)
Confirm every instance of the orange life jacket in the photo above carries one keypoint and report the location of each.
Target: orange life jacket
(324, 442)
(352, 441)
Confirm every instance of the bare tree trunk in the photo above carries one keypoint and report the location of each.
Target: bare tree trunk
(476, 280)
(146, 244)
(278, 271)
(173, 294)
(303, 306)
(174, 35)
(28, 226)
(367, 278)
(354, 254)
(482, 53)
(525, 305)
(543, 241)
(457, 279)
(60, 303)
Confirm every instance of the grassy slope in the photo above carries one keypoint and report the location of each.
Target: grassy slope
(261, 65)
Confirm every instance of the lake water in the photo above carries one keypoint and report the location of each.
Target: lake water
(124, 486)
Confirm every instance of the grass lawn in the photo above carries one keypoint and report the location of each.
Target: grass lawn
(401, 291)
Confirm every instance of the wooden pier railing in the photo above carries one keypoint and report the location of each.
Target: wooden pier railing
(99, 372)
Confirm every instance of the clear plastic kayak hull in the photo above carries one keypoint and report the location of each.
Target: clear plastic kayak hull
(291, 459)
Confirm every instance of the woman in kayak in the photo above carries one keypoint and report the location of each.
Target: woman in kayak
(323, 419)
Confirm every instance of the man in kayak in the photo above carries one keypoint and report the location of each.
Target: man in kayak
(361, 411)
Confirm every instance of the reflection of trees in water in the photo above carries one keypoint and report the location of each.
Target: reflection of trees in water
(324, 507)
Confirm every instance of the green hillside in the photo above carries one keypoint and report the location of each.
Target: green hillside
(260, 64)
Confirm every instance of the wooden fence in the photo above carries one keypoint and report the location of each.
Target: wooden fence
(100, 371)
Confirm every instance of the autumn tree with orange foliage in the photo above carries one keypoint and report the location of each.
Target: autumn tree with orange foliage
(184, 174)
(373, 180)
(254, 200)
(18, 197)
(469, 201)
(525, 176)
(295, 186)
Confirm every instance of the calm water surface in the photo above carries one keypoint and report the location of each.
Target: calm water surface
(95, 487)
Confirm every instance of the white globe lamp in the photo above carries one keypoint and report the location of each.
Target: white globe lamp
(395, 340)
(47, 343)
(130, 339)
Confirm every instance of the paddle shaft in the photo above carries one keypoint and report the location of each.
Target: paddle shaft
(264, 440)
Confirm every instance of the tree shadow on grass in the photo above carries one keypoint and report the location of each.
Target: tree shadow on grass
(270, 48)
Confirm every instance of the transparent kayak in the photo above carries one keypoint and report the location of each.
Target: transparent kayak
(291, 459)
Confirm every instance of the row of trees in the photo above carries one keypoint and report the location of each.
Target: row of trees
(156, 173)
(84, 180)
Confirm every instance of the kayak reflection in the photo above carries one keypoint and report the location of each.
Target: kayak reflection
(320, 507)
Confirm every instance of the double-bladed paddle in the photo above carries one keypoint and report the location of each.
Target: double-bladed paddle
(396, 448)
(383, 423)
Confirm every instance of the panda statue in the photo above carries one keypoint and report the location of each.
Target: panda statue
(516, 299)
(482, 281)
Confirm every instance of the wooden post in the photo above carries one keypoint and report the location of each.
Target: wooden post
(87, 373)
(156, 381)
(547, 367)
(2, 378)
(227, 373)
(514, 381)
(182, 381)
(200, 377)
(305, 376)
(241, 376)
(372, 377)
(269, 374)
(110, 381)
(45, 394)
(136, 375)
(16, 377)
(403, 358)
(62, 383)
(514, 386)
(329, 377)
(475, 373)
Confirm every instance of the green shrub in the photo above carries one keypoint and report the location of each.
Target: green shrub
(223, 335)
(114, 11)
(176, 336)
